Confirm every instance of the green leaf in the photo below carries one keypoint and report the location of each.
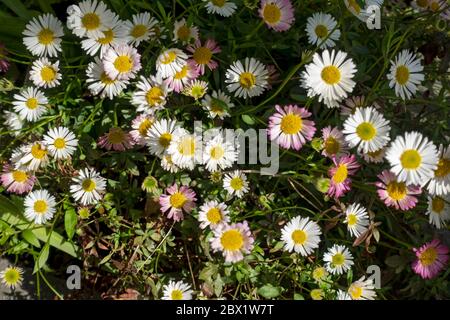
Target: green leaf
(18, 8)
(247, 119)
(70, 222)
(298, 296)
(42, 258)
(269, 291)
(29, 236)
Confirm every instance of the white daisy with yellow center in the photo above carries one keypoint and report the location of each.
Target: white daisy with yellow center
(236, 183)
(141, 28)
(32, 156)
(440, 183)
(357, 219)
(177, 291)
(122, 62)
(363, 13)
(13, 121)
(151, 95)
(12, 277)
(217, 104)
(45, 74)
(233, 241)
(248, 79)
(219, 154)
(61, 142)
(185, 149)
(438, 211)
(168, 165)
(212, 214)
(321, 30)
(225, 8)
(184, 33)
(362, 289)
(413, 158)
(160, 136)
(367, 129)
(42, 35)
(338, 259)
(405, 74)
(30, 103)
(100, 83)
(301, 235)
(196, 89)
(88, 187)
(170, 61)
(39, 206)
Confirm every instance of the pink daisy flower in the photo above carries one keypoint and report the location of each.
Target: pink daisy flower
(176, 200)
(340, 182)
(141, 124)
(4, 63)
(17, 180)
(431, 259)
(202, 54)
(333, 142)
(288, 127)
(396, 194)
(183, 77)
(116, 139)
(277, 14)
(233, 240)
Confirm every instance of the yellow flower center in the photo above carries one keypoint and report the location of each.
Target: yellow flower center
(437, 204)
(48, 74)
(176, 294)
(217, 152)
(202, 55)
(214, 215)
(197, 92)
(164, 139)
(355, 291)
(428, 257)
(138, 31)
(271, 13)
(411, 159)
(422, 3)
(237, 183)
(321, 31)
(106, 80)
(331, 75)
(38, 152)
(396, 190)
(154, 96)
(116, 136)
(108, 38)
(59, 143)
(316, 294)
(232, 240)
(88, 185)
(338, 259)
(331, 146)
(187, 146)
(45, 36)
(90, 21)
(32, 103)
(144, 126)
(354, 5)
(218, 3)
(184, 33)
(434, 6)
(216, 108)
(169, 57)
(181, 74)
(366, 131)
(443, 168)
(177, 200)
(19, 176)
(352, 219)
(247, 80)
(291, 124)
(123, 64)
(341, 174)
(40, 206)
(402, 75)
(299, 237)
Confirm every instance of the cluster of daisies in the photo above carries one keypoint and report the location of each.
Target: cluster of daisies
(414, 164)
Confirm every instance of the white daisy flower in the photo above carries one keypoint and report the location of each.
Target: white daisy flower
(440, 183)
(212, 214)
(320, 28)
(413, 158)
(42, 35)
(357, 219)
(330, 76)
(225, 8)
(342, 295)
(39, 206)
(141, 125)
(32, 156)
(405, 74)
(363, 13)
(236, 183)
(61, 143)
(89, 18)
(88, 187)
(170, 61)
(184, 33)
(122, 62)
(196, 89)
(30, 103)
(217, 104)
(12, 277)
(374, 157)
(151, 95)
(367, 129)
(100, 83)
(168, 165)
(362, 289)
(140, 29)
(13, 121)
(301, 235)
(248, 79)
(185, 149)
(160, 135)
(45, 74)
(438, 211)
(177, 291)
(338, 259)
(219, 154)
(115, 35)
